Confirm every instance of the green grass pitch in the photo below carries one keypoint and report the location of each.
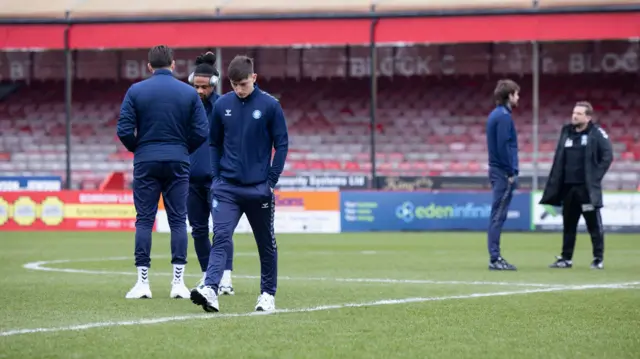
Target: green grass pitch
(365, 295)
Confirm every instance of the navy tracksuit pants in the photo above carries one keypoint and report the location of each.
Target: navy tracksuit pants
(230, 201)
(502, 195)
(198, 210)
(150, 179)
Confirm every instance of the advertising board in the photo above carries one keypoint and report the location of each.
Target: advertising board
(621, 213)
(446, 183)
(324, 182)
(67, 211)
(296, 212)
(425, 211)
(28, 183)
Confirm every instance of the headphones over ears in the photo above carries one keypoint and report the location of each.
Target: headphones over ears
(213, 80)
(208, 58)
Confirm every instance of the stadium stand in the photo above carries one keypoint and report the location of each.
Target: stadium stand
(426, 125)
(433, 100)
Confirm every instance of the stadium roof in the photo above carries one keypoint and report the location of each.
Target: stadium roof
(135, 8)
(118, 24)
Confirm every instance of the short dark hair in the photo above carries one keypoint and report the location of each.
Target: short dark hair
(160, 56)
(588, 109)
(504, 88)
(240, 68)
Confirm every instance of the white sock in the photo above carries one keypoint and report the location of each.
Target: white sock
(204, 276)
(143, 275)
(178, 273)
(226, 278)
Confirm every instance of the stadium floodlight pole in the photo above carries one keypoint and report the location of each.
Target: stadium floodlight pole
(535, 71)
(373, 76)
(219, 68)
(68, 75)
(219, 61)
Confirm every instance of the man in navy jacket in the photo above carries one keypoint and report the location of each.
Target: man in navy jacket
(246, 125)
(502, 143)
(204, 79)
(162, 121)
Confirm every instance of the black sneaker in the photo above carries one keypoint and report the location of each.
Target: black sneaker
(598, 263)
(501, 264)
(561, 263)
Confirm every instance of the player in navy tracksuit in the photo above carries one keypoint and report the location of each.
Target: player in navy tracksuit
(204, 79)
(246, 125)
(162, 121)
(502, 143)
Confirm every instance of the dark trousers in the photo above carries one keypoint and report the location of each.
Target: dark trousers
(230, 201)
(576, 203)
(150, 179)
(198, 211)
(502, 195)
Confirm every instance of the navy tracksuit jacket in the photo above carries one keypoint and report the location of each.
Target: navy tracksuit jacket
(162, 121)
(242, 135)
(199, 199)
(502, 144)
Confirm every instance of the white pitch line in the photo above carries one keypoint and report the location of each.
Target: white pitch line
(420, 281)
(149, 321)
(634, 285)
(41, 266)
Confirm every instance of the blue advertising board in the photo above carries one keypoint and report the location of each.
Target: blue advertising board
(30, 183)
(363, 211)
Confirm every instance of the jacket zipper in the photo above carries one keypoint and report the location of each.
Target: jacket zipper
(241, 152)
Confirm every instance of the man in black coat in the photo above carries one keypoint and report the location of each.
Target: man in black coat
(583, 156)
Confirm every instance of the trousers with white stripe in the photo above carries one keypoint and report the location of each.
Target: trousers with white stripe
(230, 202)
(576, 203)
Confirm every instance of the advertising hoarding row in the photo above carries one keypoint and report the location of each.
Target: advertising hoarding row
(297, 212)
(315, 211)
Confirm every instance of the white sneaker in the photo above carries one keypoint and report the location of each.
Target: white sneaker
(179, 291)
(206, 298)
(201, 281)
(139, 291)
(225, 290)
(266, 303)
(225, 287)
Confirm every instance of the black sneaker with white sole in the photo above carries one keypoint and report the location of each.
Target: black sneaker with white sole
(597, 263)
(501, 264)
(561, 263)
